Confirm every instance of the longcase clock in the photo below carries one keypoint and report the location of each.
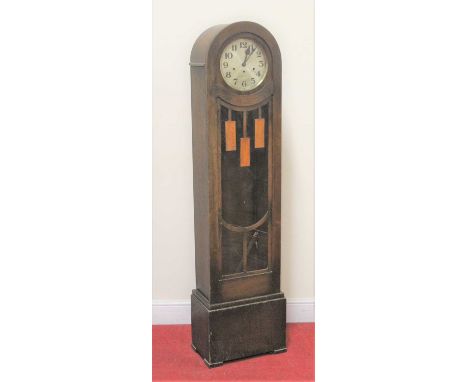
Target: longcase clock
(238, 309)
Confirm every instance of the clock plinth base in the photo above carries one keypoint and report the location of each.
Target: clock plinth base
(238, 329)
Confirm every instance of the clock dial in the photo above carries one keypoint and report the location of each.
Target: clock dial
(243, 64)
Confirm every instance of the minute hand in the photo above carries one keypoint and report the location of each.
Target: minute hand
(248, 53)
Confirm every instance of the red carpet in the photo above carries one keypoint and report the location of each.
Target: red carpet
(174, 359)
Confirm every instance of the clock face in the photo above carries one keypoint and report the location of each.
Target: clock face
(243, 64)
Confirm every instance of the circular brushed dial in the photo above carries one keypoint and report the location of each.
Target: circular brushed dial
(243, 64)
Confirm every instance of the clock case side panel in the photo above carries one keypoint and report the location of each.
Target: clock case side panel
(266, 283)
(276, 182)
(205, 218)
(200, 182)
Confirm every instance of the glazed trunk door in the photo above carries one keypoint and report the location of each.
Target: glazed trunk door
(245, 213)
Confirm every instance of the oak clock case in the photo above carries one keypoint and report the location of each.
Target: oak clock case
(238, 309)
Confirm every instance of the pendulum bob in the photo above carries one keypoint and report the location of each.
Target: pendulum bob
(245, 152)
(259, 133)
(230, 133)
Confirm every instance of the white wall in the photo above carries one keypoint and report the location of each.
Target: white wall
(176, 25)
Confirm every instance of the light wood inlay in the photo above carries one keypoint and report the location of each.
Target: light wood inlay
(230, 133)
(259, 133)
(245, 152)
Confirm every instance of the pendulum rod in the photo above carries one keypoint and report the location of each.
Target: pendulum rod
(244, 124)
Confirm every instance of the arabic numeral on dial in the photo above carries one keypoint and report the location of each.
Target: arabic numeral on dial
(253, 81)
(225, 64)
(228, 55)
(259, 73)
(228, 75)
(234, 47)
(243, 44)
(259, 53)
(244, 84)
(235, 81)
(261, 63)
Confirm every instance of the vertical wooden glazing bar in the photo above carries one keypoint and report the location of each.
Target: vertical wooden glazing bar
(270, 178)
(219, 252)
